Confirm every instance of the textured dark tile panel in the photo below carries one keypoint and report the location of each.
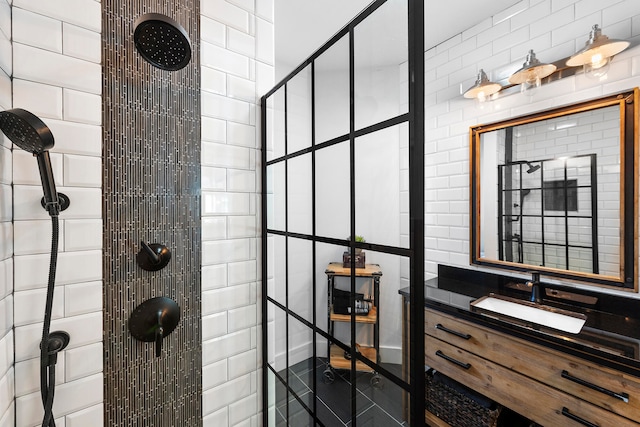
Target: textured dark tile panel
(151, 189)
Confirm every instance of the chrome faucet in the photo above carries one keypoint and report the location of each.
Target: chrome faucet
(534, 284)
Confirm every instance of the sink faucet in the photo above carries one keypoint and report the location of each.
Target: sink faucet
(534, 284)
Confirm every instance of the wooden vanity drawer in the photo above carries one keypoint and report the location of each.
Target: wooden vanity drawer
(550, 367)
(539, 402)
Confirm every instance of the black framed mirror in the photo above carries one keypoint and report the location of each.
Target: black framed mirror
(556, 192)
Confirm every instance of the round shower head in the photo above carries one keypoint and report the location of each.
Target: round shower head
(162, 41)
(26, 130)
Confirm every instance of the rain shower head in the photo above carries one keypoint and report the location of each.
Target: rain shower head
(30, 133)
(532, 168)
(162, 41)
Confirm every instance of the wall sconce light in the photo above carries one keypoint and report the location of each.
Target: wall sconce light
(482, 88)
(597, 52)
(531, 73)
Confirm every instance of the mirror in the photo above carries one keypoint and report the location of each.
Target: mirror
(556, 192)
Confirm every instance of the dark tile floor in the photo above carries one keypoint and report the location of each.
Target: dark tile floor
(375, 406)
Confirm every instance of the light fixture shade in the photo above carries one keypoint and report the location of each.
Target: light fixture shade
(531, 70)
(597, 49)
(482, 88)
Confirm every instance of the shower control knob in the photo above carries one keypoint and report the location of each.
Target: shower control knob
(153, 256)
(153, 320)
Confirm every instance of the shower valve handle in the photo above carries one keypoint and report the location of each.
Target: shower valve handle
(159, 337)
(153, 256)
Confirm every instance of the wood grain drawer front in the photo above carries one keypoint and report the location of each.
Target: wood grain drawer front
(601, 386)
(539, 402)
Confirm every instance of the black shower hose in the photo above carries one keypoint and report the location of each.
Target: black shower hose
(48, 360)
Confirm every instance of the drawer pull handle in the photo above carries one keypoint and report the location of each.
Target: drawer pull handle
(622, 396)
(451, 331)
(577, 419)
(452, 360)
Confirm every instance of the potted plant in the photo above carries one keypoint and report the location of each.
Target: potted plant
(358, 254)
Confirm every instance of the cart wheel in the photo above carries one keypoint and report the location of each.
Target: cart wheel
(328, 377)
(376, 382)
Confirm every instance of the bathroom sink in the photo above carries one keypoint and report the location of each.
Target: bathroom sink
(529, 314)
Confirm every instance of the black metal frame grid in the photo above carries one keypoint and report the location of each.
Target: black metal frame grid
(415, 253)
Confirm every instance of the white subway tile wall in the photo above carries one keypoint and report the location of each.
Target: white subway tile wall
(237, 67)
(57, 76)
(555, 29)
(7, 368)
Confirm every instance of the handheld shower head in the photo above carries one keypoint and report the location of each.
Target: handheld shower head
(30, 133)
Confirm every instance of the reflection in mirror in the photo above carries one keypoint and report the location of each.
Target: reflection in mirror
(332, 91)
(300, 277)
(556, 192)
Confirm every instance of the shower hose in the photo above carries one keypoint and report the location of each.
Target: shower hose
(49, 357)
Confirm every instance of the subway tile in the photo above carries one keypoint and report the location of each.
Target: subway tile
(225, 155)
(241, 42)
(214, 276)
(28, 374)
(36, 30)
(224, 60)
(81, 43)
(225, 203)
(5, 90)
(241, 180)
(6, 277)
(46, 67)
(6, 55)
(76, 138)
(29, 306)
(82, 171)
(84, 330)
(214, 374)
(217, 418)
(6, 353)
(212, 31)
(45, 101)
(214, 228)
(82, 298)
(265, 50)
(214, 81)
(516, 37)
(265, 77)
(85, 13)
(226, 346)
(264, 9)
(8, 418)
(82, 234)
(243, 410)
(242, 226)
(241, 88)
(6, 240)
(5, 19)
(225, 394)
(510, 12)
(214, 130)
(6, 391)
(5, 203)
(70, 397)
(242, 318)
(224, 251)
(82, 107)
(83, 361)
(214, 179)
(213, 325)
(226, 13)
(224, 108)
(222, 299)
(85, 202)
(26, 171)
(73, 267)
(242, 272)
(6, 315)
(33, 237)
(241, 134)
(93, 415)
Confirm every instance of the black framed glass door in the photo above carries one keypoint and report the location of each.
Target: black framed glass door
(343, 212)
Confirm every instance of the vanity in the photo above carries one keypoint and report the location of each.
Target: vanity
(552, 378)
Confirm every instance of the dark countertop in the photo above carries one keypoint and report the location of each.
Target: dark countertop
(610, 337)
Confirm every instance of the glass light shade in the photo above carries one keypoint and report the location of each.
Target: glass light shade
(597, 50)
(532, 70)
(482, 88)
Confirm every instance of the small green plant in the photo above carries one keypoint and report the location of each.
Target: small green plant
(358, 239)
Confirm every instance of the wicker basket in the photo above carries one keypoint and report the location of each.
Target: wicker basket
(456, 408)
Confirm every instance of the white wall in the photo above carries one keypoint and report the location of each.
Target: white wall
(237, 67)
(554, 29)
(57, 76)
(7, 371)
